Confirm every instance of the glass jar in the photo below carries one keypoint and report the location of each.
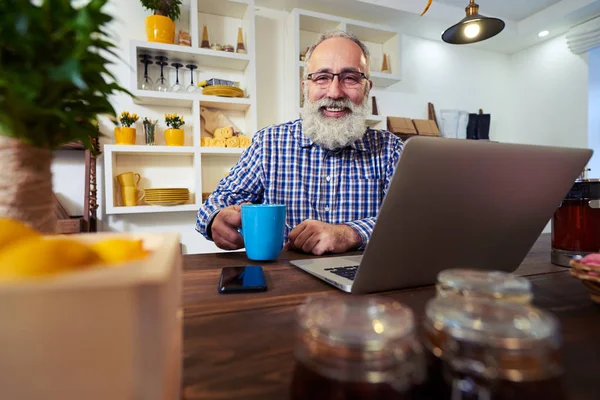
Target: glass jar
(493, 285)
(356, 348)
(482, 349)
(575, 223)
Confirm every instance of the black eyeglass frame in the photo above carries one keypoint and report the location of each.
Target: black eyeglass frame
(362, 74)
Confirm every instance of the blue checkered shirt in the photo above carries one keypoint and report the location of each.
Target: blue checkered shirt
(283, 166)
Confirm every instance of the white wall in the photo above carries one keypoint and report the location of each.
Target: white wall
(536, 96)
(450, 77)
(549, 96)
(594, 111)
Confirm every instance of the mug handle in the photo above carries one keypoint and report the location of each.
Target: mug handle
(138, 177)
(143, 192)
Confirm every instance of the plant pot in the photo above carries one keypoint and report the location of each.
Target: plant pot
(26, 184)
(160, 29)
(174, 137)
(124, 135)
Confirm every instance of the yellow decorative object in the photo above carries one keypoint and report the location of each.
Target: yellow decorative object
(160, 29)
(232, 142)
(222, 90)
(12, 231)
(174, 137)
(218, 142)
(51, 256)
(225, 132)
(244, 141)
(119, 250)
(205, 141)
(125, 135)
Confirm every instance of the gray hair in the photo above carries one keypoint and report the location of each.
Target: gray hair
(338, 34)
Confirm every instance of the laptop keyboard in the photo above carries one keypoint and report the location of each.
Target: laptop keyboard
(348, 272)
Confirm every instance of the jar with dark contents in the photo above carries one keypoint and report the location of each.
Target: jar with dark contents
(356, 348)
(492, 285)
(480, 349)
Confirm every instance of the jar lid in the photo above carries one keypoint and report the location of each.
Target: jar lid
(491, 284)
(492, 323)
(368, 323)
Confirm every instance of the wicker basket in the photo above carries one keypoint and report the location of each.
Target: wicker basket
(589, 275)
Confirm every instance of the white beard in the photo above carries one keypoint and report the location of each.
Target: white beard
(334, 133)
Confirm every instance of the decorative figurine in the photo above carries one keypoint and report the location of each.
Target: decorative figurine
(385, 67)
(240, 42)
(205, 42)
(374, 109)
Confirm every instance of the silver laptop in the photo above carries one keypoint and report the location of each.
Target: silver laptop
(456, 204)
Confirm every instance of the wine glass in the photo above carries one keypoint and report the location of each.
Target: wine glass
(162, 84)
(177, 87)
(145, 82)
(191, 87)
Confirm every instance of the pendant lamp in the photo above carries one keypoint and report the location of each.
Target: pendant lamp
(473, 28)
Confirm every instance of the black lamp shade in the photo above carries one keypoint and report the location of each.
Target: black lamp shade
(488, 27)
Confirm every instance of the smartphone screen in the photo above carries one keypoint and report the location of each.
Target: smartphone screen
(248, 278)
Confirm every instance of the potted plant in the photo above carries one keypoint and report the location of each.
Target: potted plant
(160, 27)
(53, 86)
(174, 136)
(125, 134)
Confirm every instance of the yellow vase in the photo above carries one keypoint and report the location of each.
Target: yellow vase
(124, 135)
(160, 29)
(174, 137)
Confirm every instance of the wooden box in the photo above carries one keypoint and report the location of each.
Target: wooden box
(426, 127)
(401, 126)
(100, 334)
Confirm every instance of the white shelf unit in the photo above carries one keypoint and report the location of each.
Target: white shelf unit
(192, 166)
(304, 27)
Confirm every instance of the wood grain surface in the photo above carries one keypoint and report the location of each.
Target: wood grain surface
(240, 346)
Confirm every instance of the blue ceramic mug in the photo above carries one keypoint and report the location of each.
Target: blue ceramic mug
(262, 230)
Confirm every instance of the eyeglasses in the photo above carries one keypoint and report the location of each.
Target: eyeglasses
(348, 79)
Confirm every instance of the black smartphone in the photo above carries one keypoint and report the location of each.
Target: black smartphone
(249, 278)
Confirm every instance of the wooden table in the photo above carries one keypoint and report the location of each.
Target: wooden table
(239, 346)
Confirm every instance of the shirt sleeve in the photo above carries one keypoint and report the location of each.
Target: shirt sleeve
(364, 227)
(243, 184)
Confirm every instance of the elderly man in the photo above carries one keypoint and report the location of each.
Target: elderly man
(328, 168)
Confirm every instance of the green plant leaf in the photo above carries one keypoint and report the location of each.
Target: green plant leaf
(54, 80)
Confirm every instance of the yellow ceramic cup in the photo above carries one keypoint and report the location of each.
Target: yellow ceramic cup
(174, 137)
(124, 135)
(129, 179)
(131, 195)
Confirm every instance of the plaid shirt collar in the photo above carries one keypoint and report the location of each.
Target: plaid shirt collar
(361, 144)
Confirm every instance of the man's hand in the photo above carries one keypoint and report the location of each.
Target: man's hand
(225, 226)
(318, 237)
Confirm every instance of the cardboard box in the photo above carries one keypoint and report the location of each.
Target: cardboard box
(402, 126)
(96, 334)
(426, 127)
